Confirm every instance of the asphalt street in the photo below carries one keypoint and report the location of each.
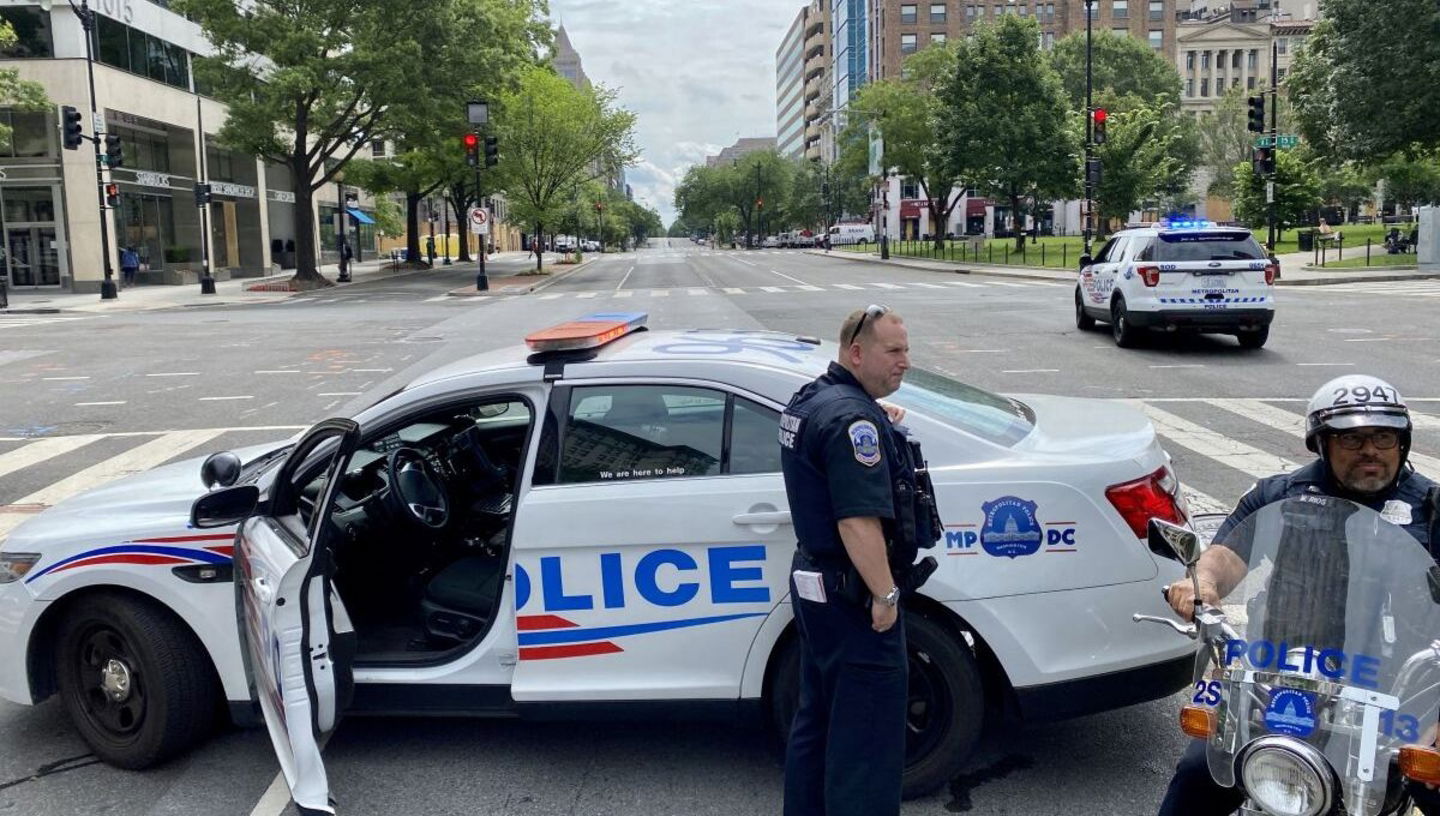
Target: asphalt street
(123, 392)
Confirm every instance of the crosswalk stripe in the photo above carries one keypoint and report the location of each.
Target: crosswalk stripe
(808, 288)
(850, 286)
(624, 293)
(1291, 422)
(966, 284)
(588, 294)
(42, 449)
(886, 286)
(733, 290)
(772, 289)
(699, 291)
(1425, 421)
(552, 296)
(1230, 452)
(141, 458)
(660, 292)
(926, 285)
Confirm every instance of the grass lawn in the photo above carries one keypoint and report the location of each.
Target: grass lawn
(1378, 257)
(1355, 235)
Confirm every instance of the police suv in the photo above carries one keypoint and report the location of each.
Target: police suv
(1179, 276)
(597, 519)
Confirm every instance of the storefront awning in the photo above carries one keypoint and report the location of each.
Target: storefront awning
(360, 216)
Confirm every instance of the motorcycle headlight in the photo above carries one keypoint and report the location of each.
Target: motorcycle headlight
(14, 566)
(1287, 778)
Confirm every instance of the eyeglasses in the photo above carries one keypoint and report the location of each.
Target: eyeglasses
(1355, 440)
(873, 310)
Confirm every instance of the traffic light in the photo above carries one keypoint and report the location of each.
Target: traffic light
(112, 195)
(70, 123)
(492, 151)
(760, 203)
(1099, 116)
(1093, 172)
(1256, 122)
(472, 149)
(202, 194)
(114, 150)
(1262, 161)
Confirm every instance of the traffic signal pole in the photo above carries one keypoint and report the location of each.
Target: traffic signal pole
(108, 289)
(1089, 130)
(1274, 136)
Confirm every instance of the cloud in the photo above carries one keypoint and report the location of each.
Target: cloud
(698, 74)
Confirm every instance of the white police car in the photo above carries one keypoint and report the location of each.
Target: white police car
(1182, 275)
(600, 520)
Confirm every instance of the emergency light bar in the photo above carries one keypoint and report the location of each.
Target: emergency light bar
(1185, 223)
(588, 332)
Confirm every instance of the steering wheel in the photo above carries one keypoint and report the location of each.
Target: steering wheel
(413, 490)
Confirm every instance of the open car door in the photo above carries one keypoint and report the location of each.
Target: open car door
(298, 640)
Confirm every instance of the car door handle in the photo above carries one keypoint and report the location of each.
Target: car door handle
(771, 517)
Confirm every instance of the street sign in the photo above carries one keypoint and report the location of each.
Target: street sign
(1269, 192)
(1284, 141)
(479, 221)
(98, 122)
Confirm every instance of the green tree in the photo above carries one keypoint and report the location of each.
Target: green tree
(1343, 184)
(1004, 119)
(15, 92)
(553, 137)
(850, 181)
(308, 83)
(905, 112)
(1409, 182)
(1142, 159)
(1297, 192)
(1126, 72)
(756, 187)
(1367, 83)
(1225, 142)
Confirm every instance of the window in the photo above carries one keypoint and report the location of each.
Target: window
(1189, 60)
(938, 37)
(32, 33)
(907, 43)
(909, 189)
(991, 417)
(123, 47)
(30, 135)
(908, 14)
(1235, 82)
(1280, 74)
(1047, 40)
(1252, 59)
(753, 434)
(1190, 87)
(1220, 59)
(969, 14)
(999, 10)
(1157, 38)
(1120, 32)
(1120, 9)
(642, 432)
(1049, 12)
(1235, 58)
(1208, 246)
(1205, 86)
(377, 147)
(1250, 83)
(1023, 10)
(937, 12)
(1157, 9)
(1205, 61)
(1284, 44)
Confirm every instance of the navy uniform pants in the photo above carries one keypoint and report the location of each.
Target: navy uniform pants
(847, 743)
(1193, 792)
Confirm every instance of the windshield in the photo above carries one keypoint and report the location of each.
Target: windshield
(1179, 247)
(991, 417)
(1334, 622)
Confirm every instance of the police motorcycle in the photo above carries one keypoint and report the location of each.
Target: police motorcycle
(1317, 688)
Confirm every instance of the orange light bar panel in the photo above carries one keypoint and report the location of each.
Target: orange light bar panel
(590, 331)
(1197, 721)
(1420, 763)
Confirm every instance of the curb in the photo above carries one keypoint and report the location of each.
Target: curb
(36, 310)
(1365, 279)
(1024, 273)
(532, 289)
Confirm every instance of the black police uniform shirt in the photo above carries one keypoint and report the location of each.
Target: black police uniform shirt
(1407, 505)
(837, 453)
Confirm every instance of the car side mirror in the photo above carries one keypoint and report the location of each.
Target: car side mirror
(221, 468)
(1166, 538)
(1086, 260)
(224, 507)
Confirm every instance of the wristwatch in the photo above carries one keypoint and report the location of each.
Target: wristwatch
(892, 598)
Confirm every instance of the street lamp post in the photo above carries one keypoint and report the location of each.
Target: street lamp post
(445, 210)
(477, 112)
(1089, 127)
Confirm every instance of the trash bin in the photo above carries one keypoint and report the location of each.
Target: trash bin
(1306, 239)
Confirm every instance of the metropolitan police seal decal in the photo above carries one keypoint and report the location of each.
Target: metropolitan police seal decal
(1291, 712)
(1011, 528)
(865, 439)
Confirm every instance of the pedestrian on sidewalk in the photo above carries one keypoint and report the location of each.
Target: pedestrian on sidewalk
(129, 266)
(430, 248)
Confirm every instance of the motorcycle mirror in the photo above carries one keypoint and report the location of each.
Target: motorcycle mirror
(221, 468)
(1164, 536)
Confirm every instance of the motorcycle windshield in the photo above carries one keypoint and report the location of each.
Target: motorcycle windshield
(1333, 660)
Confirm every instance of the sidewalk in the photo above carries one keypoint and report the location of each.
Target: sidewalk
(521, 280)
(1292, 271)
(231, 292)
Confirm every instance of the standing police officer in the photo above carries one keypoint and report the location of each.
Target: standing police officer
(859, 514)
(1360, 428)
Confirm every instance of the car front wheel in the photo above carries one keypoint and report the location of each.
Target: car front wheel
(134, 680)
(945, 708)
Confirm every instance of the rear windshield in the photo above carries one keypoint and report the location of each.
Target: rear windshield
(1178, 247)
(991, 417)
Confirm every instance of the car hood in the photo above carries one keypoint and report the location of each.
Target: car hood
(1076, 426)
(154, 502)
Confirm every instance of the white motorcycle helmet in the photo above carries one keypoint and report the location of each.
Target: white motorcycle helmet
(1357, 401)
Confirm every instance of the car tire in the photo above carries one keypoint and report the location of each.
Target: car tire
(1083, 321)
(945, 713)
(1125, 334)
(171, 692)
(1254, 339)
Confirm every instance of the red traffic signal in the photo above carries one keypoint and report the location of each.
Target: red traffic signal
(472, 149)
(1099, 116)
(112, 195)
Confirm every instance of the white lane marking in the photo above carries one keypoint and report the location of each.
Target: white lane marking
(371, 370)
(926, 285)
(224, 399)
(42, 449)
(1180, 365)
(622, 293)
(1293, 423)
(966, 284)
(1199, 502)
(772, 289)
(277, 371)
(982, 351)
(699, 291)
(339, 393)
(733, 290)
(1368, 339)
(742, 260)
(175, 374)
(1012, 285)
(622, 280)
(62, 379)
(660, 292)
(1030, 371)
(587, 294)
(439, 298)
(787, 277)
(275, 800)
(809, 288)
(1325, 364)
(852, 287)
(103, 402)
(1230, 452)
(141, 458)
(886, 286)
(552, 296)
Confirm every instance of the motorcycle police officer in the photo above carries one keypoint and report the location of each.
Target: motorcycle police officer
(1360, 428)
(860, 511)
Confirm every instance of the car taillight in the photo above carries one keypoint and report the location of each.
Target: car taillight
(1155, 496)
(1149, 274)
(1272, 271)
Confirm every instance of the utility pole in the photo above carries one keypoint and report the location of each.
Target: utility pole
(1274, 137)
(207, 279)
(1089, 213)
(108, 289)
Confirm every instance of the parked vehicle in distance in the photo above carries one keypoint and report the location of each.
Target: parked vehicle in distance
(848, 234)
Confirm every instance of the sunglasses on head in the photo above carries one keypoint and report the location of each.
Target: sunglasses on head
(873, 310)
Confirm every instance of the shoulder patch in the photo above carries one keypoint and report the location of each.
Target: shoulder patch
(865, 440)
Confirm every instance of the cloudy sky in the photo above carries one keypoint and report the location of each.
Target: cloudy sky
(698, 73)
